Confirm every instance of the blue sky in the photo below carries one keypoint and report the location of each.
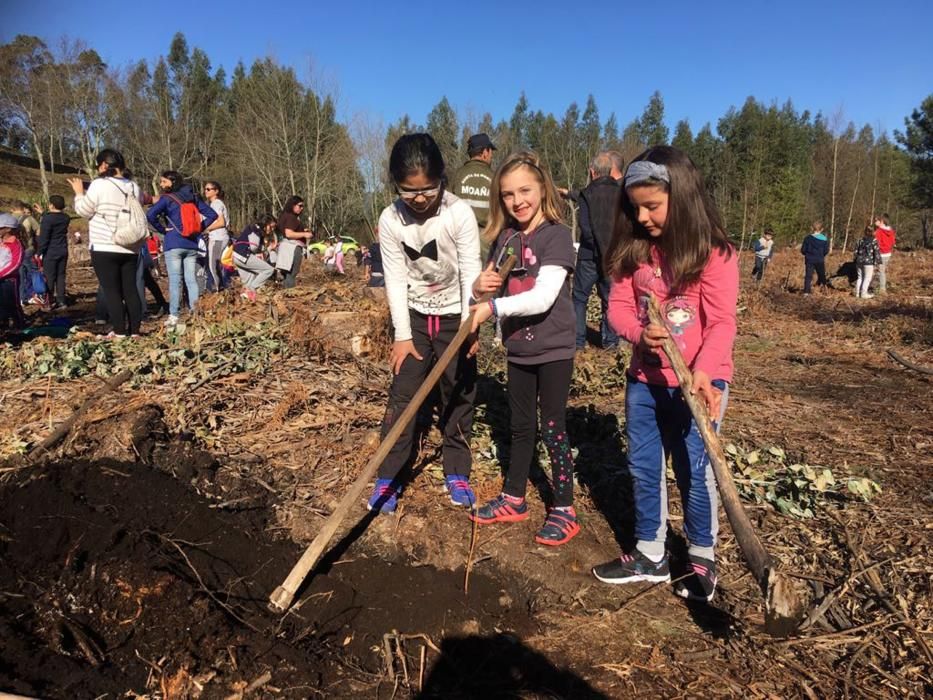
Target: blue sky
(391, 58)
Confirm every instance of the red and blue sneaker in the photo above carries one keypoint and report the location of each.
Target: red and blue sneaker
(701, 584)
(461, 493)
(559, 528)
(385, 496)
(501, 509)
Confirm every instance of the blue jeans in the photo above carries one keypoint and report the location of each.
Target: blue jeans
(658, 423)
(587, 275)
(176, 260)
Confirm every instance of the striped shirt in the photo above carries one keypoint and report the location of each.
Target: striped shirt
(101, 204)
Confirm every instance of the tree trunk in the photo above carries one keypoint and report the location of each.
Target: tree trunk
(858, 176)
(832, 200)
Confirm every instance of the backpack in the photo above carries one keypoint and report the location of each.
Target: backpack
(130, 227)
(191, 224)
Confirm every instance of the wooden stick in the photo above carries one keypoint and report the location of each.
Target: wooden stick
(783, 609)
(282, 597)
(65, 426)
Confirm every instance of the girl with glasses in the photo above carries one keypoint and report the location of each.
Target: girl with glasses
(430, 255)
(217, 235)
(539, 332)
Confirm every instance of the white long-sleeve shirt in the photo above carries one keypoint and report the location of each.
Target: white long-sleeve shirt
(430, 266)
(100, 205)
(538, 299)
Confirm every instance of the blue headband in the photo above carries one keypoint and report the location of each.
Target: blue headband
(642, 171)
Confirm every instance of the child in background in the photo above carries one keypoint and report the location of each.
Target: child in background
(11, 258)
(886, 236)
(250, 252)
(338, 256)
(430, 256)
(764, 249)
(815, 248)
(539, 332)
(670, 242)
(867, 256)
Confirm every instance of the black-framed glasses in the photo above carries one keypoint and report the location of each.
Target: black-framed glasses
(410, 195)
(210, 189)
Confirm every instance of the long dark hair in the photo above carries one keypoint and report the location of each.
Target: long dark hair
(414, 153)
(175, 178)
(291, 202)
(114, 160)
(691, 231)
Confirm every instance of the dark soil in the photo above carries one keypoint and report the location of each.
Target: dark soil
(118, 577)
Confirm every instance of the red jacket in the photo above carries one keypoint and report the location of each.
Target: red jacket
(885, 237)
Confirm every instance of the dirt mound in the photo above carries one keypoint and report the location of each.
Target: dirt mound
(116, 577)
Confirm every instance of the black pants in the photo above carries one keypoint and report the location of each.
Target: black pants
(116, 273)
(54, 267)
(431, 336)
(546, 384)
(820, 268)
(11, 311)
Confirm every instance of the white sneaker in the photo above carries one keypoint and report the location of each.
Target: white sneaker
(170, 321)
(868, 295)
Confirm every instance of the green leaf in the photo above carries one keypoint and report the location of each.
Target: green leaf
(777, 452)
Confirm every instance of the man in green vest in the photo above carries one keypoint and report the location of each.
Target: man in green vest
(473, 180)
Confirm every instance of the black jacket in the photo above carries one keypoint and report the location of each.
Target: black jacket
(598, 204)
(53, 235)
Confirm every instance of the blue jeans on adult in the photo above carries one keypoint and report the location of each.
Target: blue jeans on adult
(180, 261)
(587, 275)
(658, 423)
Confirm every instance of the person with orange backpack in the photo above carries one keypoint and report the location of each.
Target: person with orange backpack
(180, 216)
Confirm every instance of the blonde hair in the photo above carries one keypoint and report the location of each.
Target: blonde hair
(550, 204)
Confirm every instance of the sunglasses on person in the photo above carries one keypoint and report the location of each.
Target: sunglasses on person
(210, 189)
(411, 195)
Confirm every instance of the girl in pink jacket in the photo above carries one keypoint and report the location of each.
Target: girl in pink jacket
(669, 241)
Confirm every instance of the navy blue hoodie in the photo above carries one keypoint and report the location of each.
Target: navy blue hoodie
(815, 248)
(168, 208)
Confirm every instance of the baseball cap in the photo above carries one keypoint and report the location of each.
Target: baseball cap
(8, 221)
(479, 142)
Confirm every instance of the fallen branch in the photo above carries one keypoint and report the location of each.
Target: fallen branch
(909, 365)
(65, 426)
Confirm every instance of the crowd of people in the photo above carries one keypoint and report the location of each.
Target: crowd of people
(188, 237)
(648, 229)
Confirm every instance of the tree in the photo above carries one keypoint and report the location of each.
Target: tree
(442, 125)
(917, 141)
(651, 128)
(683, 136)
(26, 70)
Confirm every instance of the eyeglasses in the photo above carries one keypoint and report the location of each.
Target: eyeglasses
(410, 195)
(210, 189)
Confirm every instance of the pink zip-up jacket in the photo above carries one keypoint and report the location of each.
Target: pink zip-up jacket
(701, 319)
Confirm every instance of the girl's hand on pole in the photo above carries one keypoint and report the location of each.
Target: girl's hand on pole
(481, 312)
(710, 395)
(488, 281)
(400, 350)
(653, 337)
(473, 344)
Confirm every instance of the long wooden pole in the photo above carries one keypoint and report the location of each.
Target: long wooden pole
(281, 599)
(782, 605)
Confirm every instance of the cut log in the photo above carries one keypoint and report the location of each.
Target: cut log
(783, 608)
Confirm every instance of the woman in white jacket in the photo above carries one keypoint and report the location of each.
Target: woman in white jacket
(114, 265)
